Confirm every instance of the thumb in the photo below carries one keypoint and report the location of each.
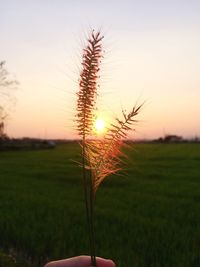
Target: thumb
(80, 261)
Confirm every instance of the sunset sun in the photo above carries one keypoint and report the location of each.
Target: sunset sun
(99, 125)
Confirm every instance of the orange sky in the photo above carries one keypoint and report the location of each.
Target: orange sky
(151, 54)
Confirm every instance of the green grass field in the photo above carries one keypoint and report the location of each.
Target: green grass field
(148, 217)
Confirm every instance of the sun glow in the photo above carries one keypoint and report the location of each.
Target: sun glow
(99, 125)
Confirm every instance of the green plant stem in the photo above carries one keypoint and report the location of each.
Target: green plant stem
(89, 204)
(93, 250)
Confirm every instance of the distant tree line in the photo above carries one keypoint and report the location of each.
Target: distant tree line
(172, 138)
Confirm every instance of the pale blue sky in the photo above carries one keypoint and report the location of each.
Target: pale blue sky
(151, 54)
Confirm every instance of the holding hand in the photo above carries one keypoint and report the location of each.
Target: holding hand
(80, 261)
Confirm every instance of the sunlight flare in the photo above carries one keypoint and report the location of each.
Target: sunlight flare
(99, 125)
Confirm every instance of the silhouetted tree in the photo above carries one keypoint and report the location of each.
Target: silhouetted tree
(7, 99)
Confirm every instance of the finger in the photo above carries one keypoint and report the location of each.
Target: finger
(80, 261)
(104, 262)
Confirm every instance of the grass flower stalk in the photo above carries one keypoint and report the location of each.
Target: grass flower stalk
(85, 118)
(100, 157)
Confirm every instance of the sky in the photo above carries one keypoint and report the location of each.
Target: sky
(151, 55)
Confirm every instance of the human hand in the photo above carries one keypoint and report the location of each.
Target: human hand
(80, 261)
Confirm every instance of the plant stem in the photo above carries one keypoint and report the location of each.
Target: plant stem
(89, 205)
(93, 250)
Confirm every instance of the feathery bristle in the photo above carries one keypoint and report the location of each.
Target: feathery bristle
(104, 156)
(88, 84)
